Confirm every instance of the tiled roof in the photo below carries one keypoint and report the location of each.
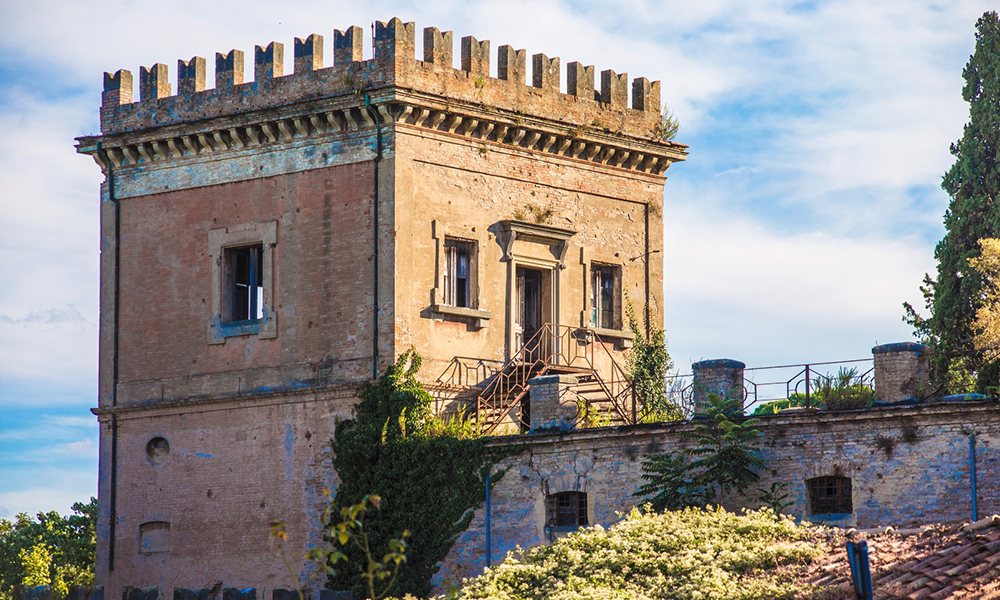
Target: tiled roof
(927, 563)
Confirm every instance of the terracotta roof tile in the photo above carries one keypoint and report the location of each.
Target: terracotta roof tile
(935, 562)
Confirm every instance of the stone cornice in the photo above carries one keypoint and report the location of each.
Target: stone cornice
(191, 405)
(346, 116)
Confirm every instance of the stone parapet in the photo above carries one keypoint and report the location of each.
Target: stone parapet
(901, 371)
(597, 127)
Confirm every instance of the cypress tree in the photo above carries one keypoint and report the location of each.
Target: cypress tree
(972, 182)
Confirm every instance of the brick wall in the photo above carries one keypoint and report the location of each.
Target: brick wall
(231, 469)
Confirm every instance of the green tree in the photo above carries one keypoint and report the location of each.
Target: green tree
(722, 456)
(70, 541)
(36, 563)
(973, 183)
(430, 480)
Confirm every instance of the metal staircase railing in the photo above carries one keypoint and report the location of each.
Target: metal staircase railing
(555, 349)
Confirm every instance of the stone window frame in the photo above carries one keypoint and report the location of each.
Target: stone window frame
(619, 334)
(442, 234)
(219, 240)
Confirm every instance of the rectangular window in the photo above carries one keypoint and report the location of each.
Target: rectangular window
(830, 495)
(458, 273)
(245, 283)
(567, 509)
(602, 296)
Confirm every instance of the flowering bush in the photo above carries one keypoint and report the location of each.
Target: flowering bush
(691, 554)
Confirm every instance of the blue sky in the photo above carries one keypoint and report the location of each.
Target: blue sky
(806, 214)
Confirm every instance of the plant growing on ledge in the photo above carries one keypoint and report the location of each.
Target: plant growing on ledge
(722, 458)
(843, 391)
(431, 475)
(669, 125)
(534, 214)
(647, 365)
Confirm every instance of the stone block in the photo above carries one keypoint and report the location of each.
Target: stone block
(135, 593)
(37, 592)
(186, 594)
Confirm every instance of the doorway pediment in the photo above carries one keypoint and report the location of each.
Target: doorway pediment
(522, 237)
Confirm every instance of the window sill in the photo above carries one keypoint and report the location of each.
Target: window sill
(831, 518)
(264, 328)
(481, 316)
(624, 337)
(237, 328)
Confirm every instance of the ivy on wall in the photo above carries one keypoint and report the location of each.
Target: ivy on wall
(430, 474)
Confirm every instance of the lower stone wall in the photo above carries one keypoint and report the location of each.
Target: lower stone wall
(907, 466)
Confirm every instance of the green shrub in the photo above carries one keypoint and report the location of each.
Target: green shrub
(429, 472)
(708, 555)
(647, 364)
(844, 391)
(52, 549)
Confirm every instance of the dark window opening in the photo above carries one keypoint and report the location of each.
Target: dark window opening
(457, 274)
(602, 296)
(830, 495)
(568, 509)
(245, 288)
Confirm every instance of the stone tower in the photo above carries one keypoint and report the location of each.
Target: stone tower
(270, 245)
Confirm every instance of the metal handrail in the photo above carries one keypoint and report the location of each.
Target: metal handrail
(552, 346)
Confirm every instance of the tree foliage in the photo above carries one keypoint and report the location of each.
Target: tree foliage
(987, 324)
(973, 183)
(429, 479)
(51, 549)
(722, 456)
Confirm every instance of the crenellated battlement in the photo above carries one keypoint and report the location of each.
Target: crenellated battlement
(316, 98)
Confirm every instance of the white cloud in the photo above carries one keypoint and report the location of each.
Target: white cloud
(51, 429)
(737, 290)
(71, 488)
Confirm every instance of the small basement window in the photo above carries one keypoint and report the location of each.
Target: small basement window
(830, 495)
(245, 283)
(567, 509)
(458, 273)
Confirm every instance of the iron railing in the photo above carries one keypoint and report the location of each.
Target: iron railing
(802, 383)
(556, 349)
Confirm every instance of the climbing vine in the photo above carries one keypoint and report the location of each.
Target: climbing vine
(430, 477)
(647, 366)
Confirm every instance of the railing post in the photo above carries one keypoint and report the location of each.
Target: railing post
(807, 386)
(634, 419)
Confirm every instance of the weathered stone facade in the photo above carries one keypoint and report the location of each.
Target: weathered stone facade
(907, 465)
(344, 191)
